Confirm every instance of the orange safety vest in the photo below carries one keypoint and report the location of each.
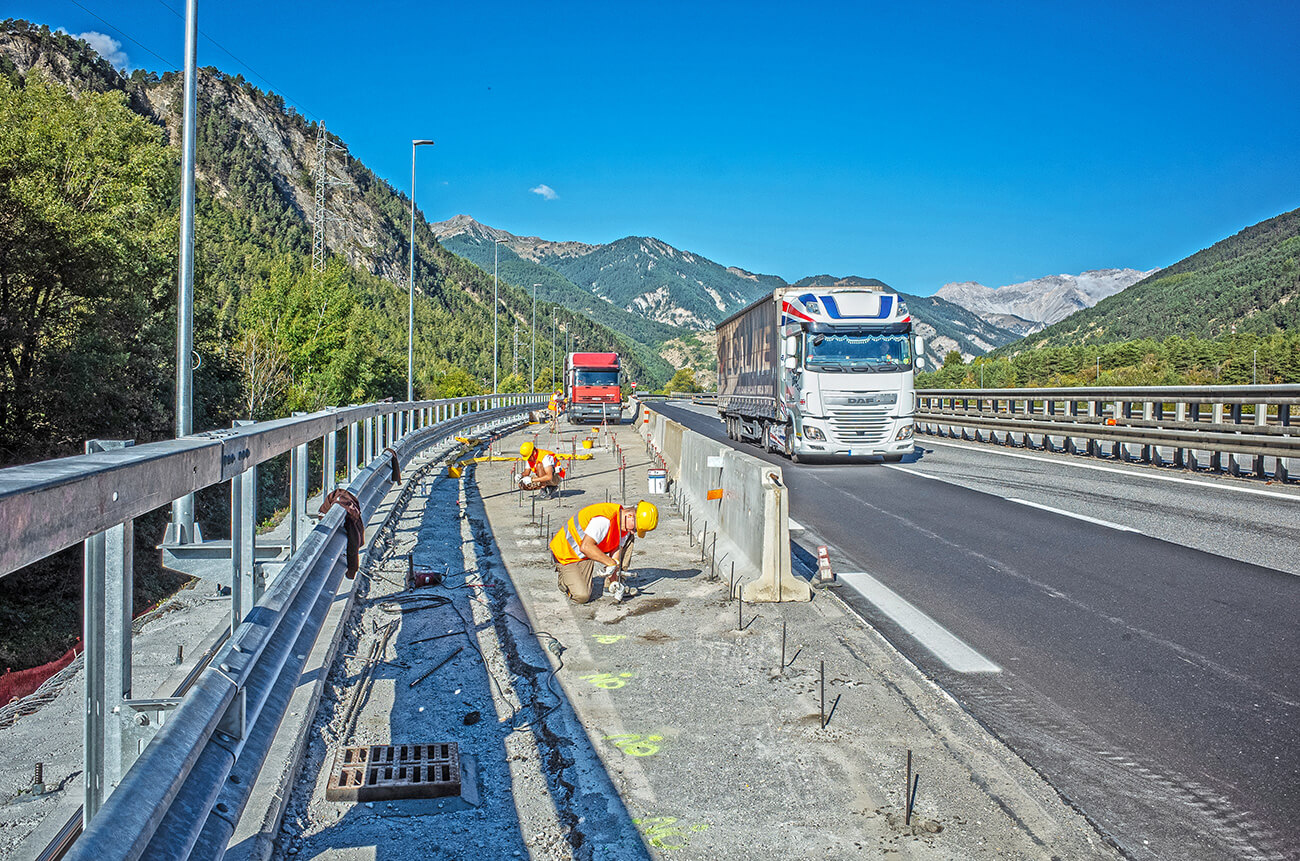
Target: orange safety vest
(538, 454)
(566, 546)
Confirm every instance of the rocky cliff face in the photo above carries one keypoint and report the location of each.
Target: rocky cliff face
(1033, 305)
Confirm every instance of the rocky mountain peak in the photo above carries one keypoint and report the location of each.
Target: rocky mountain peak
(1036, 304)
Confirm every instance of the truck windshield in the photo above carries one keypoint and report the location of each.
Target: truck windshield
(596, 378)
(860, 353)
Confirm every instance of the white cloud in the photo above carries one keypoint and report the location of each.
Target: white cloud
(546, 192)
(108, 47)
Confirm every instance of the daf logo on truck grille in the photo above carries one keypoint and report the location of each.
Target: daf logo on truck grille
(871, 400)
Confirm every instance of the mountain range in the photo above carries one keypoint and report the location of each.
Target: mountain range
(1247, 283)
(1031, 306)
(650, 291)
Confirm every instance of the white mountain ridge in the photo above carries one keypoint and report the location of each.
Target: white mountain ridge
(1031, 306)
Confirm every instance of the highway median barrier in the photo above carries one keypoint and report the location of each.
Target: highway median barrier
(750, 515)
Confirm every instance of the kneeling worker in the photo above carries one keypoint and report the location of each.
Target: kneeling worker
(541, 470)
(602, 533)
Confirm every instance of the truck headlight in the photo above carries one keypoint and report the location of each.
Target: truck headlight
(905, 432)
(813, 433)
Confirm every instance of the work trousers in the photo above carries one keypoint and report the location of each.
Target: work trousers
(576, 577)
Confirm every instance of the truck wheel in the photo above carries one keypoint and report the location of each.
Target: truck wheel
(789, 444)
(893, 458)
(767, 438)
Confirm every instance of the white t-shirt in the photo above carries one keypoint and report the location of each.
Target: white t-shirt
(598, 528)
(549, 462)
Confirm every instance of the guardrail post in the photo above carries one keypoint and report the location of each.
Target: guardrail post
(1180, 416)
(1148, 411)
(106, 634)
(243, 535)
(1282, 469)
(297, 496)
(369, 447)
(1193, 415)
(1073, 411)
(1157, 414)
(1216, 456)
(330, 457)
(1261, 420)
(1234, 467)
(1095, 410)
(352, 452)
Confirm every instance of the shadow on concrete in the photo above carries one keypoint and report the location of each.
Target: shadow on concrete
(512, 719)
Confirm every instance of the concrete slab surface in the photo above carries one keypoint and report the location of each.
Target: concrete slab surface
(661, 727)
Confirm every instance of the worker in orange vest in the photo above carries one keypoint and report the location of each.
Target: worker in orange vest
(541, 470)
(557, 404)
(600, 533)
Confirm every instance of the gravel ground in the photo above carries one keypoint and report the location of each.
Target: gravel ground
(664, 726)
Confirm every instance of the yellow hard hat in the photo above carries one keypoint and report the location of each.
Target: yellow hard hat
(526, 450)
(647, 518)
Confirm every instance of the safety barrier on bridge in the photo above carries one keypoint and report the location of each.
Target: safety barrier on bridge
(728, 494)
(178, 800)
(1211, 427)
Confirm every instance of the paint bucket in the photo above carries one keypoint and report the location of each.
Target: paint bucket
(586, 443)
(658, 481)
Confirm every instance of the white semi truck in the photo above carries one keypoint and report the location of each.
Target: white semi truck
(820, 371)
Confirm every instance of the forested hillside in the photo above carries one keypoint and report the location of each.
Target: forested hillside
(89, 203)
(1249, 282)
(641, 334)
(1227, 360)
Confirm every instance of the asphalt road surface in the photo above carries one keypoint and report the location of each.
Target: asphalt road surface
(1132, 632)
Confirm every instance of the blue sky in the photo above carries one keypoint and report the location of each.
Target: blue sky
(918, 143)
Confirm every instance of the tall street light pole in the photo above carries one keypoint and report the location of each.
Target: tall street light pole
(410, 285)
(182, 529)
(496, 246)
(552, 348)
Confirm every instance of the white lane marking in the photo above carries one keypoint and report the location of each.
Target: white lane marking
(1071, 514)
(1131, 473)
(794, 526)
(935, 638)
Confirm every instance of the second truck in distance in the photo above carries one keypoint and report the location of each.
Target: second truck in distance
(820, 371)
(591, 383)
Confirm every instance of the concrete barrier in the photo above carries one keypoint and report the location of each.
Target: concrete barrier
(749, 511)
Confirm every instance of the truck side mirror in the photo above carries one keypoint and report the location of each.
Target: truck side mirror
(791, 363)
(920, 345)
(920, 360)
(791, 345)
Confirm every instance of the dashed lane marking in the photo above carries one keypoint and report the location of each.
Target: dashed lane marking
(935, 638)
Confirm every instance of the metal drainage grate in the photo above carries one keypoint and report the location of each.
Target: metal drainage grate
(381, 772)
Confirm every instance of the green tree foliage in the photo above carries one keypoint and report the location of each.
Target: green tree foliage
(683, 382)
(84, 340)
(1247, 283)
(1226, 360)
(309, 337)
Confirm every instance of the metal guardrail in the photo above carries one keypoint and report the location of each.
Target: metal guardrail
(168, 799)
(1252, 421)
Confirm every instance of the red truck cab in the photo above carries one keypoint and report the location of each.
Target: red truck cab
(591, 382)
